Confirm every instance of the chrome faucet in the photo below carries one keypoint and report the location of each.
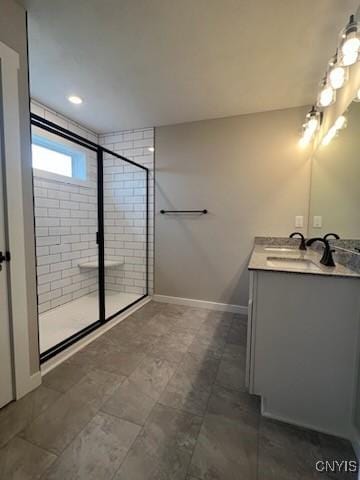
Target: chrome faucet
(302, 245)
(327, 258)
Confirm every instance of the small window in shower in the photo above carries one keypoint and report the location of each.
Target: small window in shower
(58, 159)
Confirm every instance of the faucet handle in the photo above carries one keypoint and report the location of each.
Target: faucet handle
(302, 245)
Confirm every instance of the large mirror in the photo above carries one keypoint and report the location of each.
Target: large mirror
(335, 183)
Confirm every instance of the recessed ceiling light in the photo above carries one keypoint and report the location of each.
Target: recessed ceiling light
(75, 99)
(151, 149)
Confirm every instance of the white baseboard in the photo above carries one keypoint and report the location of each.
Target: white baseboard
(35, 380)
(69, 352)
(191, 302)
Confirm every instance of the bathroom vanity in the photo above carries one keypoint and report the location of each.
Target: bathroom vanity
(302, 346)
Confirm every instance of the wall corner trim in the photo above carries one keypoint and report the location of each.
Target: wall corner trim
(192, 302)
(16, 220)
(31, 384)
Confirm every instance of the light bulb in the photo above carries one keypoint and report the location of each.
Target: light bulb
(349, 59)
(306, 138)
(351, 45)
(340, 122)
(304, 142)
(313, 119)
(312, 125)
(327, 96)
(337, 77)
(329, 136)
(350, 42)
(308, 133)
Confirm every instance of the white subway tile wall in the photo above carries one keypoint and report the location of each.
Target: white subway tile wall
(66, 225)
(66, 219)
(125, 209)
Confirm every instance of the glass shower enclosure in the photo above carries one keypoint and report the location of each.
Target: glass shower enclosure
(92, 234)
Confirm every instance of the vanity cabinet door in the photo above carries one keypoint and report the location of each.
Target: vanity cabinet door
(305, 349)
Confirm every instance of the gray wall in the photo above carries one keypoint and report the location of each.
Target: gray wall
(13, 34)
(252, 177)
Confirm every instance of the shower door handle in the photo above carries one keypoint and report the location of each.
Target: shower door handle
(4, 258)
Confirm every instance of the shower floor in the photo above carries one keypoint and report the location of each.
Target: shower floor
(61, 322)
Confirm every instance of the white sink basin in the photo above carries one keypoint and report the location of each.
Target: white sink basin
(281, 249)
(289, 263)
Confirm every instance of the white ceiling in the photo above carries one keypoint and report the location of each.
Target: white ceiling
(143, 63)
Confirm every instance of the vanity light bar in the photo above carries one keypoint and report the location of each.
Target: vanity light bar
(335, 78)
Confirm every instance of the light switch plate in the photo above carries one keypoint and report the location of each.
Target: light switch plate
(317, 221)
(299, 221)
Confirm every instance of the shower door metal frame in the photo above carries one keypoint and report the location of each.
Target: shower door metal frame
(51, 127)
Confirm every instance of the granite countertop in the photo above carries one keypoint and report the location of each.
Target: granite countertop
(259, 260)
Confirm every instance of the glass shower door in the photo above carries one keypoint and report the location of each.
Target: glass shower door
(65, 172)
(125, 233)
(91, 217)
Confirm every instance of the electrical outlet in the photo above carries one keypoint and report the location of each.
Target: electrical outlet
(299, 221)
(317, 221)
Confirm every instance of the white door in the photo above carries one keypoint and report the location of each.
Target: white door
(6, 382)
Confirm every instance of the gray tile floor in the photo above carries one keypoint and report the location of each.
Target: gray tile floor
(160, 396)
